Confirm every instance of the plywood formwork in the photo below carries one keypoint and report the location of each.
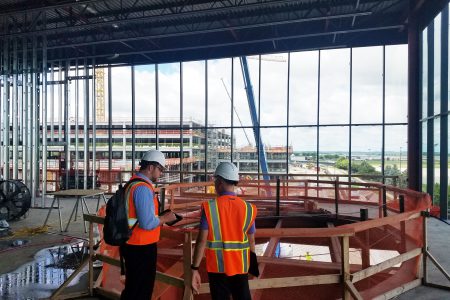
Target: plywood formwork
(367, 259)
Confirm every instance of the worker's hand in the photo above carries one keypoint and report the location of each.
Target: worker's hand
(167, 217)
(196, 281)
(122, 279)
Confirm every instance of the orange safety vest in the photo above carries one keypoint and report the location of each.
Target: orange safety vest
(228, 248)
(141, 236)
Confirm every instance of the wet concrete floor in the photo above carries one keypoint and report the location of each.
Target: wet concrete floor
(49, 269)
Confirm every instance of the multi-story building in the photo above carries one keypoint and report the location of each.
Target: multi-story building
(185, 150)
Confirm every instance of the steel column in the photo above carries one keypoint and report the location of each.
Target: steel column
(44, 119)
(15, 115)
(350, 120)
(133, 120)
(444, 116)
(157, 105)
(67, 124)
(35, 123)
(383, 126)
(62, 103)
(414, 130)
(318, 118)
(94, 128)
(86, 125)
(77, 125)
(206, 123)
(25, 115)
(110, 143)
(5, 126)
(181, 123)
(430, 121)
(52, 102)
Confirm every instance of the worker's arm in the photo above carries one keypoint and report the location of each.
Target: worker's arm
(145, 209)
(200, 246)
(251, 239)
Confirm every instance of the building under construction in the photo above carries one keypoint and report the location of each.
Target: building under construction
(335, 112)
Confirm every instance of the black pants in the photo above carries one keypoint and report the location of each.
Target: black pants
(222, 286)
(140, 271)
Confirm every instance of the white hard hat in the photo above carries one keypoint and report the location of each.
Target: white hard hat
(154, 156)
(227, 171)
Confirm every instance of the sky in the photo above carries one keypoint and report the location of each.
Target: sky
(278, 101)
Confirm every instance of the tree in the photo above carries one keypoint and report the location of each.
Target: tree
(342, 163)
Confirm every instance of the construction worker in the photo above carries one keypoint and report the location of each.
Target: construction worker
(140, 250)
(227, 234)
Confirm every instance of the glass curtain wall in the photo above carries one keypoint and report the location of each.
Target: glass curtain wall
(434, 107)
(329, 114)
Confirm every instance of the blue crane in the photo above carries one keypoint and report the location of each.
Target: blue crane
(254, 115)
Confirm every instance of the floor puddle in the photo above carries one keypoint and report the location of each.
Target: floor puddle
(49, 269)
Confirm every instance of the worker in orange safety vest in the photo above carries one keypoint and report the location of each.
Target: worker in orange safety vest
(140, 250)
(227, 234)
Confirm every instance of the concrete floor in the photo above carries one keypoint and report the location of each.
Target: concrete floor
(35, 242)
(439, 247)
(438, 239)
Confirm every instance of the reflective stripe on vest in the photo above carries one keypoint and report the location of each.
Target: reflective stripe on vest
(132, 221)
(216, 233)
(219, 246)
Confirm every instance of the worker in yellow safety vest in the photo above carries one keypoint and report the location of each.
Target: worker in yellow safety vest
(227, 234)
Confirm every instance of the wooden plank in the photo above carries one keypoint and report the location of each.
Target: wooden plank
(108, 259)
(187, 204)
(68, 280)
(438, 286)
(304, 232)
(319, 265)
(172, 234)
(94, 218)
(391, 220)
(187, 258)
(171, 280)
(435, 262)
(399, 290)
(174, 270)
(168, 279)
(285, 282)
(73, 295)
(77, 192)
(165, 233)
(353, 291)
(166, 251)
(385, 265)
(91, 256)
(99, 280)
(269, 252)
(424, 251)
(345, 265)
(335, 246)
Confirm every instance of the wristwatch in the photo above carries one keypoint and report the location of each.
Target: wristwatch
(194, 267)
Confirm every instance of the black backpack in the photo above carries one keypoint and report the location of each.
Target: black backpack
(115, 229)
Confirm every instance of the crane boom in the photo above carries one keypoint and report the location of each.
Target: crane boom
(254, 116)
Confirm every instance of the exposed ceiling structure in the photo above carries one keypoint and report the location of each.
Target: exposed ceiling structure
(150, 31)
